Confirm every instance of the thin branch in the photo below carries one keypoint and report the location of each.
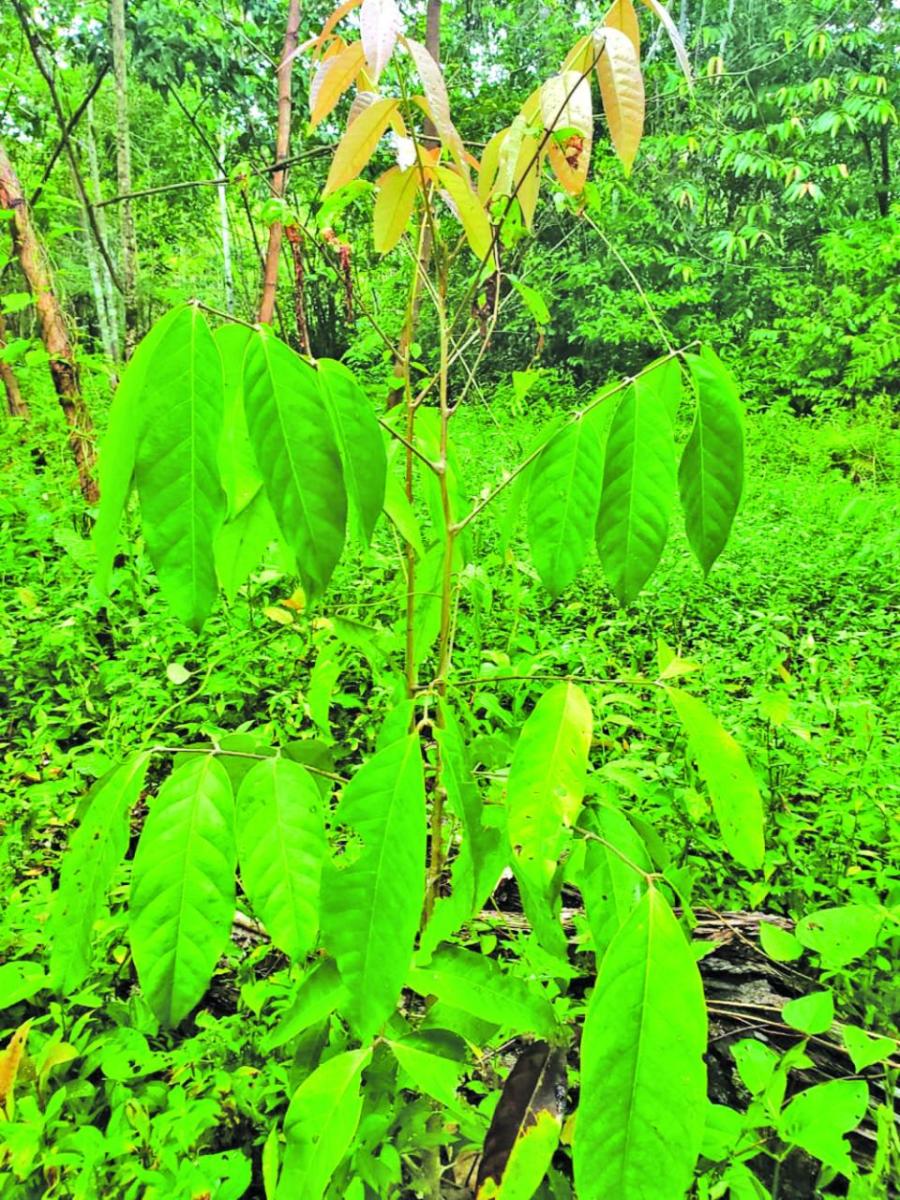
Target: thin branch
(410, 446)
(67, 133)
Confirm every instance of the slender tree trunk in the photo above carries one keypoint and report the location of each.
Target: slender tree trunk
(282, 147)
(225, 231)
(15, 401)
(54, 334)
(123, 173)
(103, 292)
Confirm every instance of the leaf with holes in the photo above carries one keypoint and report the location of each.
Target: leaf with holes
(563, 500)
(359, 440)
(177, 463)
(711, 475)
(377, 889)
(182, 887)
(639, 479)
(298, 456)
(642, 1056)
(358, 144)
(281, 847)
(622, 92)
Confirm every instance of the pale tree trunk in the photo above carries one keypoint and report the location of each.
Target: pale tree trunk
(54, 334)
(16, 403)
(225, 230)
(123, 173)
(100, 281)
(282, 146)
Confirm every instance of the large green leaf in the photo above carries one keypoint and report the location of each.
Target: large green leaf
(562, 502)
(616, 864)
(544, 794)
(177, 467)
(711, 475)
(643, 1080)
(241, 543)
(117, 451)
(182, 887)
(281, 848)
(638, 481)
(240, 475)
(376, 891)
(320, 1124)
(95, 851)
(732, 785)
(297, 453)
(480, 986)
(360, 441)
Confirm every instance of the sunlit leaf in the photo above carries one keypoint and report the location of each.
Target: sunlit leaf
(360, 442)
(393, 206)
(183, 887)
(438, 102)
(358, 144)
(566, 103)
(643, 1080)
(725, 771)
(333, 77)
(380, 23)
(816, 1120)
(473, 218)
(622, 92)
(375, 894)
(622, 16)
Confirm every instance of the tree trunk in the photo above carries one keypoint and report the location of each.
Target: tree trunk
(225, 231)
(123, 173)
(282, 146)
(54, 334)
(103, 292)
(15, 401)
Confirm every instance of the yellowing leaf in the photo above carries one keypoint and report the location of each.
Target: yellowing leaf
(438, 101)
(623, 17)
(570, 162)
(581, 57)
(566, 103)
(528, 178)
(339, 13)
(334, 75)
(472, 216)
(490, 162)
(380, 23)
(9, 1068)
(622, 90)
(358, 144)
(393, 206)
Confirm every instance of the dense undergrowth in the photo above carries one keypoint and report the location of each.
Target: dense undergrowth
(795, 639)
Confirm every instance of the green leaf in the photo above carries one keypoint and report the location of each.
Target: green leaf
(732, 786)
(177, 467)
(320, 993)
(810, 1014)
(117, 451)
(643, 1081)
(778, 943)
(240, 474)
(241, 543)
(20, 980)
(182, 887)
(711, 475)
(359, 440)
(377, 889)
(462, 794)
(480, 986)
(562, 502)
(838, 935)
(610, 887)
(866, 1049)
(638, 481)
(320, 1124)
(96, 849)
(432, 1073)
(298, 456)
(400, 512)
(544, 794)
(281, 847)
(817, 1118)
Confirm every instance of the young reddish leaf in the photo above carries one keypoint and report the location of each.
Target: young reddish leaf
(623, 17)
(530, 1110)
(622, 90)
(473, 218)
(358, 144)
(380, 24)
(438, 101)
(334, 75)
(674, 37)
(393, 206)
